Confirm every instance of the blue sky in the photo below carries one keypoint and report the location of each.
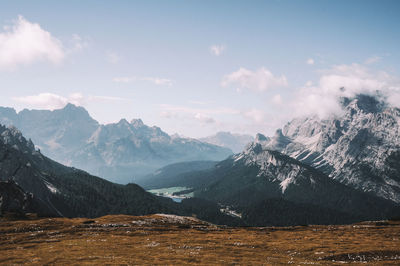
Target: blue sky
(197, 67)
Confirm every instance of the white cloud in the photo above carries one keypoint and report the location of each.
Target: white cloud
(106, 98)
(204, 118)
(203, 115)
(78, 43)
(43, 101)
(344, 81)
(209, 111)
(24, 43)
(124, 79)
(259, 80)
(309, 83)
(198, 102)
(154, 80)
(277, 99)
(113, 57)
(372, 60)
(216, 49)
(252, 120)
(158, 81)
(51, 101)
(257, 115)
(310, 61)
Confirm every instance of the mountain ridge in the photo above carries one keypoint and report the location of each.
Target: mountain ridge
(119, 151)
(359, 148)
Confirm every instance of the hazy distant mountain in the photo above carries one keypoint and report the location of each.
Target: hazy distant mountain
(119, 152)
(360, 148)
(235, 142)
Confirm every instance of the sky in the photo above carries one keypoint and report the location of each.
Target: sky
(198, 67)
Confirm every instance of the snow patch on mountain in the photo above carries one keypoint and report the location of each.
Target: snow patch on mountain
(360, 148)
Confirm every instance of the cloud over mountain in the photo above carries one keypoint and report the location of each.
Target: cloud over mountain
(25, 42)
(259, 80)
(323, 99)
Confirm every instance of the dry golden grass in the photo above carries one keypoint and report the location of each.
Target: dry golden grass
(160, 239)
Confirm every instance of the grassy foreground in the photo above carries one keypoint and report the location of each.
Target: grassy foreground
(166, 239)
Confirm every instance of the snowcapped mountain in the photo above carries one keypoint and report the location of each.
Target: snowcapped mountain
(269, 174)
(119, 151)
(255, 180)
(359, 148)
(235, 142)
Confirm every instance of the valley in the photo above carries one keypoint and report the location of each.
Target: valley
(175, 193)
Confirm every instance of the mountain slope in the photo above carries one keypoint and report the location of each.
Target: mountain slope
(31, 182)
(67, 191)
(258, 174)
(13, 199)
(119, 151)
(235, 142)
(174, 175)
(360, 148)
(270, 188)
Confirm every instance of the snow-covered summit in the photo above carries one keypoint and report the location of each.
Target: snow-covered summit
(360, 148)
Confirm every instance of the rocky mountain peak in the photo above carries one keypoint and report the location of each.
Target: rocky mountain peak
(278, 141)
(261, 138)
(71, 111)
(137, 123)
(363, 103)
(13, 137)
(352, 148)
(123, 122)
(71, 106)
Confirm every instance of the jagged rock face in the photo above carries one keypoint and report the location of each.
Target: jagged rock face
(360, 148)
(118, 151)
(261, 138)
(258, 174)
(273, 166)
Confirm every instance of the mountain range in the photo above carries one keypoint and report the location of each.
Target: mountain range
(235, 142)
(31, 182)
(344, 168)
(63, 191)
(120, 152)
(359, 148)
(336, 170)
